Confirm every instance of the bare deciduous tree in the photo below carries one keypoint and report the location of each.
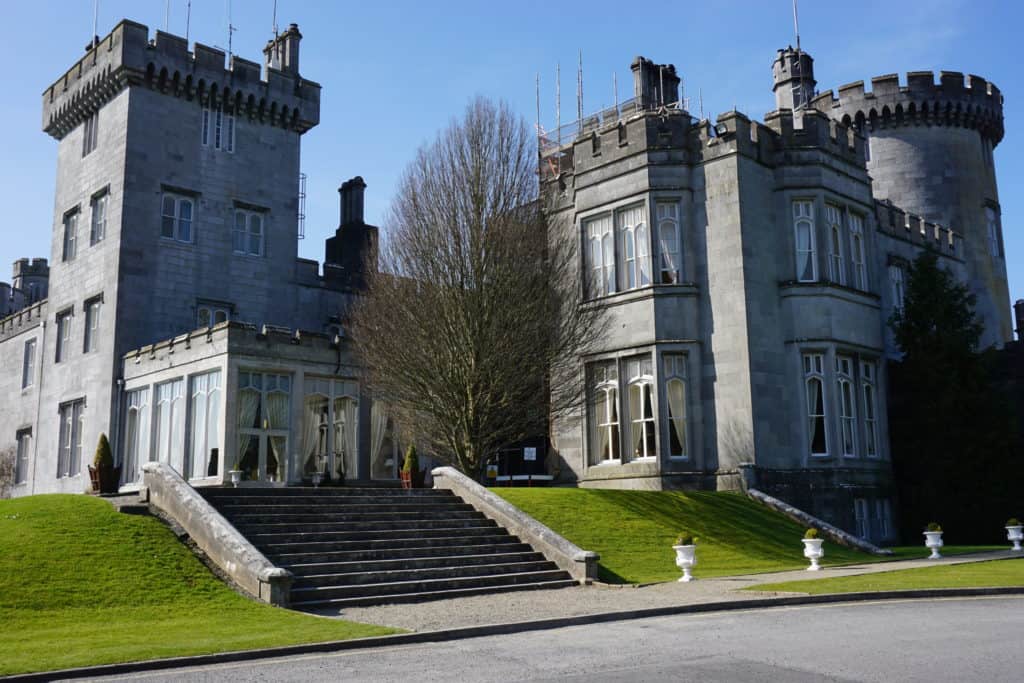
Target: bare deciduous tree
(472, 329)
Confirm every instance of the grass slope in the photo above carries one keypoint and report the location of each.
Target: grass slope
(81, 584)
(974, 575)
(634, 530)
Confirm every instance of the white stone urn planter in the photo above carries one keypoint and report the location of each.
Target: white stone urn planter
(814, 552)
(236, 477)
(317, 478)
(933, 541)
(686, 559)
(1015, 534)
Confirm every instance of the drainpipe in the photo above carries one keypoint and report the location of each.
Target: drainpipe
(40, 359)
(115, 425)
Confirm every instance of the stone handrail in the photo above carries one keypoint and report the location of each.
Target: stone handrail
(581, 564)
(221, 542)
(799, 516)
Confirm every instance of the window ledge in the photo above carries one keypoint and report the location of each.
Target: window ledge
(608, 463)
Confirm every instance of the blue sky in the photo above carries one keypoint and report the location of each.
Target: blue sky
(393, 73)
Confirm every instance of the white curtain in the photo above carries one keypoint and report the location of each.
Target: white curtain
(277, 418)
(636, 428)
(346, 437)
(378, 430)
(248, 406)
(313, 407)
(676, 391)
(643, 256)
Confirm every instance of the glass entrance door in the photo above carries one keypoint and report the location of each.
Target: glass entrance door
(264, 402)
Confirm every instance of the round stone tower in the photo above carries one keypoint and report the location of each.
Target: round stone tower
(930, 153)
(793, 79)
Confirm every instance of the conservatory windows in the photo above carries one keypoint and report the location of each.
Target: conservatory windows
(330, 428)
(136, 433)
(204, 425)
(263, 419)
(169, 424)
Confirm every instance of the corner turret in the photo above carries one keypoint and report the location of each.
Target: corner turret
(793, 79)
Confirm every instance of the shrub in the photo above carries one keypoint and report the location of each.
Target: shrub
(8, 470)
(412, 461)
(103, 457)
(933, 526)
(811, 533)
(1013, 521)
(686, 538)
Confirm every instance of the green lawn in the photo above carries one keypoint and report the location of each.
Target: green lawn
(634, 530)
(974, 575)
(81, 584)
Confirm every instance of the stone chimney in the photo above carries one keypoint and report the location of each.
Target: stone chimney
(352, 252)
(654, 85)
(282, 52)
(351, 192)
(1018, 315)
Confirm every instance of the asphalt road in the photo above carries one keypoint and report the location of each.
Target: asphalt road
(933, 640)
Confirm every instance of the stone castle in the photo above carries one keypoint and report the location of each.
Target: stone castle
(748, 269)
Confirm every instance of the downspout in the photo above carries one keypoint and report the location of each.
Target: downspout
(115, 425)
(39, 404)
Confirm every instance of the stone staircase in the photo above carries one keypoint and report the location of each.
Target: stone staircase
(363, 546)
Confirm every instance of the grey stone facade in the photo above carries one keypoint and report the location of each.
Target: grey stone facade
(756, 317)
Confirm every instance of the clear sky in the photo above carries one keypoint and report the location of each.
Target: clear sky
(393, 73)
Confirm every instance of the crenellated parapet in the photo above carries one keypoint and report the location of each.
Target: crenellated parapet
(126, 56)
(22, 320)
(974, 103)
(894, 221)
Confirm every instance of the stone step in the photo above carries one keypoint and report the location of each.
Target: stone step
(414, 553)
(281, 550)
(313, 569)
(259, 518)
(341, 502)
(276, 493)
(274, 538)
(341, 603)
(405, 575)
(406, 506)
(408, 525)
(382, 591)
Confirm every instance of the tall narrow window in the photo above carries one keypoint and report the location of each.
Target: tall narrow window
(860, 515)
(604, 413)
(869, 391)
(669, 242)
(28, 365)
(883, 511)
(24, 438)
(248, 233)
(634, 248)
(70, 236)
(217, 126)
(92, 325)
(63, 336)
(642, 418)
(601, 250)
(860, 269)
(69, 456)
(264, 418)
(995, 242)
(204, 420)
(814, 384)
(136, 434)
(847, 406)
(176, 218)
(98, 225)
(229, 133)
(803, 226)
(90, 133)
(834, 221)
(206, 125)
(169, 424)
(896, 281)
(675, 393)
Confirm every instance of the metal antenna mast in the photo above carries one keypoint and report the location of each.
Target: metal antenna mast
(188, 19)
(558, 102)
(231, 31)
(579, 92)
(167, 16)
(95, 22)
(799, 92)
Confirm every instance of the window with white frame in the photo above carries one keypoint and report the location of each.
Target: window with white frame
(675, 395)
(860, 269)
(176, 217)
(136, 434)
(263, 420)
(169, 424)
(92, 325)
(90, 133)
(634, 257)
(847, 406)
(330, 431)
(72, 422)
(24, 449)
(860, 515)
(204, 439)
(669, 242)
(834, 223)
(643, 424)
(98, 220)
(28, 364)
(64, 319)
(869, 392)
(995, 243)
(601, 252)
(248, 235)
(883, 514)
(604, 417)
(208, 315)
(814, 387)
(218, 129)
(803, 226)
(897, 277)
(70, 247)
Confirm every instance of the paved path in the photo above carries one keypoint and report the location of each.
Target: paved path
(503, 608)
(933, 640)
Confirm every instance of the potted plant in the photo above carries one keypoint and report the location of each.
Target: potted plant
(412, 478)
(933, 540)
(1014, 533)
(104, 476)
(812, 549)
(686, 554)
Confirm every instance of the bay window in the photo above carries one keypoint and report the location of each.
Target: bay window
(669, 242)
(604, 413)
(847, 409)
(642, 421)
(860, 269)
(675, 393)
(803, 226)
(601, 251)
(834, 223)
(814, 387)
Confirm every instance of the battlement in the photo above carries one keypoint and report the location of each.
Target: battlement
(22, 320)
(896, 222)
(127, 56)
(952, 101)
(38, 267)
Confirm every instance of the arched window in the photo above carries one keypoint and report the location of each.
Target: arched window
(814, 384)
(860, 270)
(602, 256)
(847, 406)
(669, 242)
(604, 394)
(896, 280)
(642, 420)
(634, 248)
(867, 380)
(834, 220)
(675, 394)
(803, 225)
